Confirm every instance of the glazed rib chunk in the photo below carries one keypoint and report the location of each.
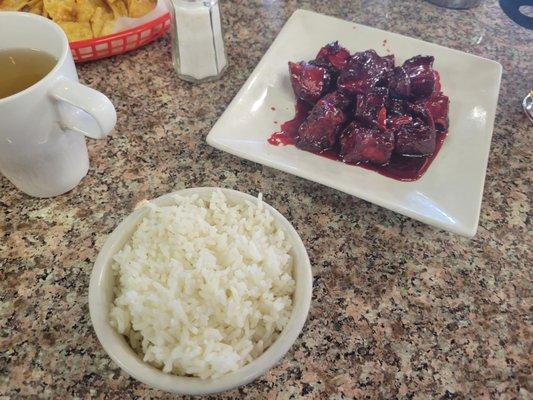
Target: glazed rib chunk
(309, 82)
(321, 129)
(366, 144)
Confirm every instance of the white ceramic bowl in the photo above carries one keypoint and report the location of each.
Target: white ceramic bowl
(101, 297)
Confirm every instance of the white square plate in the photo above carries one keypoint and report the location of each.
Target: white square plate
(447, 196)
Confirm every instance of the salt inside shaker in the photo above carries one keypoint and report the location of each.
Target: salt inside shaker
(198, 52)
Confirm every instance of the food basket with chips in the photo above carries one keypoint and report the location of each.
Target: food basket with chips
(101, 28)
(121, 42)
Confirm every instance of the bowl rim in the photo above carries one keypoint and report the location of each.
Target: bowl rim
(121, 353)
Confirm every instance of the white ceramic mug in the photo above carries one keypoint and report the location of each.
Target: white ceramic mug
(43, 128)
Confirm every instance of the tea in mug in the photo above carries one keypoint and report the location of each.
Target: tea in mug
(21, 68)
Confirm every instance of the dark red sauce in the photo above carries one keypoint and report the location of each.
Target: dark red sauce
(404, 168)
(400, 167)
(289, 130)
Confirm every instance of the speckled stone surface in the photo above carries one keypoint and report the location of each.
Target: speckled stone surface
(400, 309)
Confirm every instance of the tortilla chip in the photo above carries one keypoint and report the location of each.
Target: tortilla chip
(76, 30)
(98, 20)
(38, 9)
(29, 3)
(108, 28)
(61, 10)
(34, 6)
(118, 7)
(139, 8)
(12, 5)
(86, 8)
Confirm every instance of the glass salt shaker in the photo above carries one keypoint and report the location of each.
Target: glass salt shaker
(198, 52)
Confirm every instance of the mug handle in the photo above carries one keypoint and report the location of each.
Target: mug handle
(94, 103)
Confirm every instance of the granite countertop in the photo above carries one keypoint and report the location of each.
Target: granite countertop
(400, 309)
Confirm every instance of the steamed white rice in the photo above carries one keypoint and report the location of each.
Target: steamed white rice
(203, 287)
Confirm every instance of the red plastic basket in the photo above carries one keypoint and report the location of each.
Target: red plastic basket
(120, 42)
